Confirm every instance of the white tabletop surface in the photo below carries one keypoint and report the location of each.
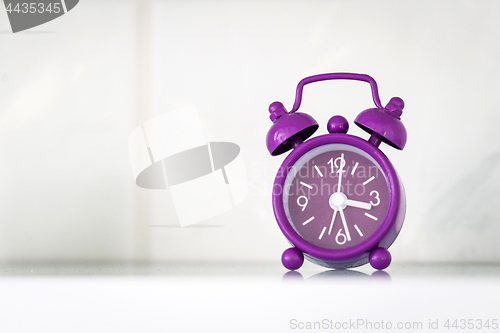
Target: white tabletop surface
(229, 297)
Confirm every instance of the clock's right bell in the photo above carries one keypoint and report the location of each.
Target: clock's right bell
(384, 124)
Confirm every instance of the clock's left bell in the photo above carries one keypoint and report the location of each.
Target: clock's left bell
(289, 129)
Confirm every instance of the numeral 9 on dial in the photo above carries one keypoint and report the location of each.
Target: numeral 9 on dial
(302, 201)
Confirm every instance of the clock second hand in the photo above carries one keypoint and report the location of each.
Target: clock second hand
(333, 220)
(342, 216)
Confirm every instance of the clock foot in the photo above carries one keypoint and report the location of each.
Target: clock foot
(292, 259)
(381, 276)
(380, 258)
(292, 277)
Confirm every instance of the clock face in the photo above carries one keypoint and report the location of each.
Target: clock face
(336, 196)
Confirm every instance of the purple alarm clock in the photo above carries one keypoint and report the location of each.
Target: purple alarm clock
(337, 198)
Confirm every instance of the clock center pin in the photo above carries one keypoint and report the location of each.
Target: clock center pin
(338, 201)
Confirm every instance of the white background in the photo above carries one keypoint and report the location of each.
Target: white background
(73, 89)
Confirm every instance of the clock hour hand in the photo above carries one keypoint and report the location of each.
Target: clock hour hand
(342, 216)
(358, 204)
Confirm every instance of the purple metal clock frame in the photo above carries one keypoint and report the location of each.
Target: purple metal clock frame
(291, 129)
(358, 254)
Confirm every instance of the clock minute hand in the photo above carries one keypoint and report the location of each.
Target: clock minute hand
(340, 171)
(358, 204)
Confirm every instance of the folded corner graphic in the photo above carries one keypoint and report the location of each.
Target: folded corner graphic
(25, 15)
(204, 178)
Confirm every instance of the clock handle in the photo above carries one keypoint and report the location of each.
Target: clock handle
(336, 76)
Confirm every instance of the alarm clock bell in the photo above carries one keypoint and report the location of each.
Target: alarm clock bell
(384, 124)
(288, 129)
